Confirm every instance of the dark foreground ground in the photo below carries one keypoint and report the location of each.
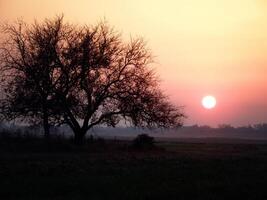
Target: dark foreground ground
(112, 170)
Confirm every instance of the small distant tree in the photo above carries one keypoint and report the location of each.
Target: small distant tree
(83, 76)
(143, 141)
(225, 126)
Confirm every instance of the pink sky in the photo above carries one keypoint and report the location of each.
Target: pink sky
(216, 47)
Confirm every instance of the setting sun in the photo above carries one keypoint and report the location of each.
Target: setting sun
(209, 102)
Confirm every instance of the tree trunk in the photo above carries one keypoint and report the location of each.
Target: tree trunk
(45, 122)
(79, 136)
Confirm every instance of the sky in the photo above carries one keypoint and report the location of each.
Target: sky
(201, 47)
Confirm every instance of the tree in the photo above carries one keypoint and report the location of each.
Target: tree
(93, 77)
(28, 63)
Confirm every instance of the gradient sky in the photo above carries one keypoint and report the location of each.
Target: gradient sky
(202, 47)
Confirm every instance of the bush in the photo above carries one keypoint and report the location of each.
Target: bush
(143, 141)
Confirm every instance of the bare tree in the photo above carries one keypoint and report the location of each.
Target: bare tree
(27, 66)
(89, 76)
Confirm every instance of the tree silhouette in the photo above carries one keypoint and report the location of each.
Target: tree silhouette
(84, 76)
(28, 63)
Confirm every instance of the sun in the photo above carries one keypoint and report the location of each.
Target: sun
(209, 102)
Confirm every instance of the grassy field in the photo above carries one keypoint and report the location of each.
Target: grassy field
(111, 170)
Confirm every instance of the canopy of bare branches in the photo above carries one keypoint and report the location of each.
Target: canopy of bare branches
(57, 72)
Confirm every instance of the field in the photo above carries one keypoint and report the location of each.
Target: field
(112, 170)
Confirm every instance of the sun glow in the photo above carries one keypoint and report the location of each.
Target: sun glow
(209, 102)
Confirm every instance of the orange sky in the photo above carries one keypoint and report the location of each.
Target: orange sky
(216, 47)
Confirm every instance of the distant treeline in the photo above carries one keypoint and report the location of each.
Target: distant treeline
(257, 131)
(261, 127)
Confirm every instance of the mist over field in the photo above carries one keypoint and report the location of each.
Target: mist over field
(222, 133)
(187, 132)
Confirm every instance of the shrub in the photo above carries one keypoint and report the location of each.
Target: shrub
(143, 141)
